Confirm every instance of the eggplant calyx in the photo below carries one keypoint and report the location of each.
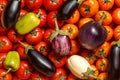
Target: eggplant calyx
(57, 31)
(26, 47)
(103, 16)
(118, 43)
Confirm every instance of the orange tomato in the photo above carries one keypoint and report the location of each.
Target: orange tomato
(74, 18)
(83, 21)
(103, 76)
(106, 4)
(103, 50)
(117, 2)
(108, 18)
(116, 32)
(116, 15)
(102, 64)
(71, 29)
(89, 8)
(109, 33)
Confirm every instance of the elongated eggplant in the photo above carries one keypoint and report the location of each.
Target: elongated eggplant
(67, 9)
(10, 13)
(114, 62)
(40, 62)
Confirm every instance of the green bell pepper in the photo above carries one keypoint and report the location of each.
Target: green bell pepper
(12, 61)
(27, 23)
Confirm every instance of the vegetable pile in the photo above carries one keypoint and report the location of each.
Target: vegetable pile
(59, 40)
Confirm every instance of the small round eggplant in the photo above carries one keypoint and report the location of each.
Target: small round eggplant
(11, 13)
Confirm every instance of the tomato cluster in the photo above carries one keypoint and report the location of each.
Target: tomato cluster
(39, 37)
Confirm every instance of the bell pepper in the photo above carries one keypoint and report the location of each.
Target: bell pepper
(27, 23)
(12, 61)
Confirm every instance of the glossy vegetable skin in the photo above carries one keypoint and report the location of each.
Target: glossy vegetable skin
(11, 13)
(114, 62)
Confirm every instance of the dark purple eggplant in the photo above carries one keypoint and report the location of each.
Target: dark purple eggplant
(92, 34)
(11, 13)
(60, 41)
(40, 62)
(68, 8)
(114, 62)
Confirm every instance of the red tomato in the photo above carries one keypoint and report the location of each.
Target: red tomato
(22, 12)
(35, 36)
(2, 5)
(3, 31)
(14, 36)
(42, 47)
(5, 44)
(2, 57)
(8, 76)
(58, 61)
(22, 3)
(59, 75)
(42, 16)
(117, 2)
(52, 4)
(33, 4)
(24, 71)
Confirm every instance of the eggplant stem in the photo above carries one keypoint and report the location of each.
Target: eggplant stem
(103, 16)
(80, 2)
(56, 25)
(9, 69)
(38, 14)
(118, 43)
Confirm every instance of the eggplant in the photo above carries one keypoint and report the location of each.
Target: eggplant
(114, 62)
(39, 62)
(68, 8)
(11, 13)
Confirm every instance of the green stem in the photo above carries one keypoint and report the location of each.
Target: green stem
(118, 43)
(56, 25)
(38, 14)
(103, 16)
(80, 2)
(9, 69)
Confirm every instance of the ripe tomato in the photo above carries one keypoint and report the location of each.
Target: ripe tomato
(116, 33)
(35, 36)
(22, 12)
(102, 64)
(117, 2)
(5, 44)
(2, 5)
(42, 47)
(71, 29)
(52, 4)
(14, 36)
(22, 3)
(89, 8)
(3, 31)
(58, 61)
(108, 18)
(8, 76)
(59, 75)
(106, 4)
(24, 71)
(2, 57)
(74, 18)
(103, 76)
(115, 15)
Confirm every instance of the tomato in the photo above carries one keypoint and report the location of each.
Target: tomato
(59, 75)
(116, 32)
(103, 76)
(74, 18)
(50, 19)
(102, 64)
(103, 50)
(42, 47)
(22, 3)
(3, 31)
(58, 61)
(2, 57)
(34, 4)
(3, 3)
(42, 16)
(109, 33)
(38, 76)
(82, 21)
(117, 2)
(108, 18)
(52, 4)
(115, 15)
(89, 8)
(35, 36)
(71, 29)
(75, 47)
(8, 76)
(24, 71)
(106, 4)
(22, 12)
(5, 44)
(14, 36)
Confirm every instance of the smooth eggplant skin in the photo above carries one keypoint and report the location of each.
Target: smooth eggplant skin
(41, 63)
(67, 9)
(11, 13)
(114, 63)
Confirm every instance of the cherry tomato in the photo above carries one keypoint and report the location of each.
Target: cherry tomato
(8, 76)
(22, 3)
(71, 29)
(35, 36)
(103, 76)
(116, 32)
(24, 71)
(2, 57)
(3, 31)
(5, 44)
(115, 15)
(22, 12)
(117, 2)
(89, 8)
(2, 5)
